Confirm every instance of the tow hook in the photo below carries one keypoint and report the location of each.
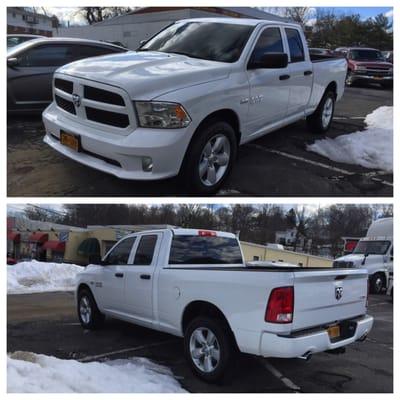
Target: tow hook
(339, 350)
(306, 356)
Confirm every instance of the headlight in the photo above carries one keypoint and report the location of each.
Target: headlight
(155, 114)
(360, 68)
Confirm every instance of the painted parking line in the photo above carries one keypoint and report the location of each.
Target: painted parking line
(372, 176)
(122, 351)
(286, 381)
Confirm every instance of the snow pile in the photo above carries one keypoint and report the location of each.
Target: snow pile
(34, 276)
(371, 148)
(34, 373)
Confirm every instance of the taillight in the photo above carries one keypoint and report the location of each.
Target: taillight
(280, 306)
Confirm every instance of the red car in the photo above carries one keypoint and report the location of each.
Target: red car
(368, 65)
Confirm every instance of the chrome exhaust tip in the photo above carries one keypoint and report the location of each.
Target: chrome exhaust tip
(362, 338)
(306, 356)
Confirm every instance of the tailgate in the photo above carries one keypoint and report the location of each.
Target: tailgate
(326, 296)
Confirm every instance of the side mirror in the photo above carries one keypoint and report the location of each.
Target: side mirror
(12, 62)
(142, 42)
(269, 61)
(95, 259)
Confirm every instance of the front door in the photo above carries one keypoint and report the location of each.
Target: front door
(109, 286)
(269, 88)
(140, 278)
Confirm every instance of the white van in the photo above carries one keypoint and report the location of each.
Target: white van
(374, 253)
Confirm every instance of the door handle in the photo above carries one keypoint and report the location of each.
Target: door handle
(145, 276)
(119, 274)
(306, 73)
(284, 77)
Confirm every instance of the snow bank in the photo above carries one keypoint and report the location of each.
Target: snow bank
(33, 373)
(34, 276)
(371, 148)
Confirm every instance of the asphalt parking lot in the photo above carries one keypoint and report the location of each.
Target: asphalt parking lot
(275, 165)
(46, 323)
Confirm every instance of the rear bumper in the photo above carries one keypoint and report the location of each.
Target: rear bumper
(273, 345)
(120, 155)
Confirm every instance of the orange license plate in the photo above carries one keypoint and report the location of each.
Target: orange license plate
(334, 331)
(69, 140)
(378, 78)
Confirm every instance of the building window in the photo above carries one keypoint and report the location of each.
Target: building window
(256, 258)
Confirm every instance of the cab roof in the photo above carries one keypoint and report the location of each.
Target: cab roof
(239, 21)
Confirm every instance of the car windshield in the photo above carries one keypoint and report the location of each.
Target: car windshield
(372, 247)
(205, 40)
(366, 55)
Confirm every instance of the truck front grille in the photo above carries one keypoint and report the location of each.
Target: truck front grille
(65, 86)
(103, 96)
(66, 105)
(95, 103)
(107, 117)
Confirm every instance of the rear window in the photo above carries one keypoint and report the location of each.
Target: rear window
(204, 250)
(295, 45)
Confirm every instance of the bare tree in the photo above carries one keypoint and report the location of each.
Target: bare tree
(98, 14)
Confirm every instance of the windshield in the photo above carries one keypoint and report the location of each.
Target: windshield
(366, 55)
(206, 40)
(372, 247)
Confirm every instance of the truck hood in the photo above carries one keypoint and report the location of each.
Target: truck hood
(146, 75)
(357, 259)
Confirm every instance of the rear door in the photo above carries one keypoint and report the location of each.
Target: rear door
(300, 71)
(322, 297)
(140, 277)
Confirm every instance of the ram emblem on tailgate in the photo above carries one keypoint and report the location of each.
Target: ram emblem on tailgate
(338, 292)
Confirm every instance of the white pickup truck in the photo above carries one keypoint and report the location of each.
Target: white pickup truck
(188, 97)
(195, 284)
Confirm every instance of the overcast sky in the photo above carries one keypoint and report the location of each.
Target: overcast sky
(70, 14)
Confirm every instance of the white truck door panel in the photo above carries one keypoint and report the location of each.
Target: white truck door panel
(269, 88)
(110, 287)
(300, 71)
(140, 278)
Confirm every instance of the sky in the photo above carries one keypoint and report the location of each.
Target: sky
(70, 13)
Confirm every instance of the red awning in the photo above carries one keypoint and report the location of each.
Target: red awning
(54, 245)
(38, 237)
(14, 236)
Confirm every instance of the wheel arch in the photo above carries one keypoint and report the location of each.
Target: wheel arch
(203, 308)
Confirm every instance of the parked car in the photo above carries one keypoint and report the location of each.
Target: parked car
(367, 65)
(373, 253)
(183, 102)
(30, 68)
(15, 40)
(195, 284)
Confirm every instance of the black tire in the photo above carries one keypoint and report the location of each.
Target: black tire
(387, 85)
(377, 283)
(315, 120)
(227, 348)
(96, 317)
(190, 167)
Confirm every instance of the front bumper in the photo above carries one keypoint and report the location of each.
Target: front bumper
(371, 78)
(119, 155)
(273, 345)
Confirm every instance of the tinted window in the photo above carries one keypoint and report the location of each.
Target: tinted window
(120, 254)
(366, 55)
(206, 40)
(145, 250)
(372, 247)
(270, 41)
(295, 45)
(204, 250)
(46, 56)
(84, 51)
